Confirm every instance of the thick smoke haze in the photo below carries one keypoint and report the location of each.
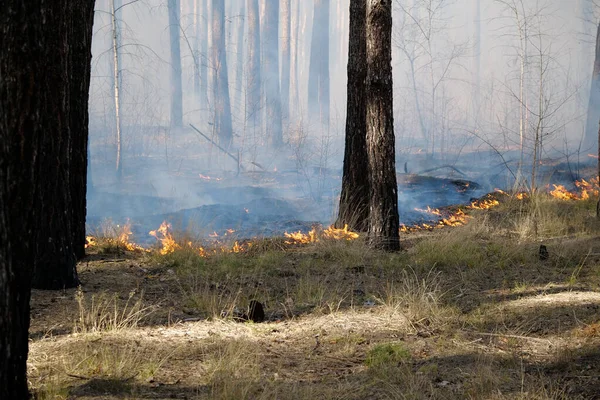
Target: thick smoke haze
(484, 91)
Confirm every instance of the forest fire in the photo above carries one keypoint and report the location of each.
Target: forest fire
(166, 239)
(314, 235)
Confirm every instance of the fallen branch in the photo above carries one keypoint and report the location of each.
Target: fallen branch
(236, 159)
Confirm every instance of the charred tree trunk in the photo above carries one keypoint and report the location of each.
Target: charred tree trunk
(82, 18)
(22, 70)
(354, 198)
(383, 200)
(270, 51)
(253, 75)
(318, 75)
(593, 112)
(176, 91)
(55, 266)
(222, 101)
(285, 58)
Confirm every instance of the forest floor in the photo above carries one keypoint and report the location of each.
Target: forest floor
(462, 312)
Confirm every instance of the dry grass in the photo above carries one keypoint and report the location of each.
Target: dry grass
(463, 313)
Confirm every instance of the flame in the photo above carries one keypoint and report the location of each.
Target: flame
(123, 238)
(208, 178)
(484, 204)
(314, 236)
(560, 192)
(339, 234)
(168, 243)
(90, 241)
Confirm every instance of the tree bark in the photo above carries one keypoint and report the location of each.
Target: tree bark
(593, 113)
(176, 91)
(56, 261)
(82, 19)
(222, 101)
(116, 53)
(239, 62)
(383, 202)
(318, 75)
(285, 58)
(270, 51)
(253, 73)
(354, 198)
(295, 31)
(22, 69)
(205, 22)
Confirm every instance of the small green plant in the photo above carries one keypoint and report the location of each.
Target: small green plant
(387, 354)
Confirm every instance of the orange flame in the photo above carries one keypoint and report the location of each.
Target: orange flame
(166, 239)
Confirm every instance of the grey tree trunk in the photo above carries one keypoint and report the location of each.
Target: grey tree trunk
(239, 65)
(285, 58)
(295, 33)
(591, 138)
(176, 91)
(383, 200)
(270, 52)
(196, 47)
(222, 102)
(354, 198)
(253, 73)
(318, 75)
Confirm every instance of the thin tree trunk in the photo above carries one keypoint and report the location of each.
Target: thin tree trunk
(176, 90)
(593, 112)
(253, 73)
(294, 96)
(270, 51)
(239, 66)
(354, 198)
(383, 205)
(222, 103)
(318, 75)
(115, 6)
(196, 48)
(285, 58)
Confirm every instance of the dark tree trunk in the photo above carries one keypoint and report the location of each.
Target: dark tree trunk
(354, 199)
(270, 51)
(82, 18)
(318, 75)
(220, 76)
(285, 58)
(383, 202)
(590, 141)
(35, 148)
(22, 69)
(176, 91)
(55, 266)
(253, 76)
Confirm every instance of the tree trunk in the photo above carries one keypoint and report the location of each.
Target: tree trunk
(81, 56)
(205, 22)
(220, 75)
(285, 58)
(354, 198)
(239, 65)
(55, 266)
(115, 7)
(176, 91)
(23, 68)
(383, 205)
(318, 75)
(270, 51)
(196, 47)
(294, 96)
(593, 112)
(253, 73)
